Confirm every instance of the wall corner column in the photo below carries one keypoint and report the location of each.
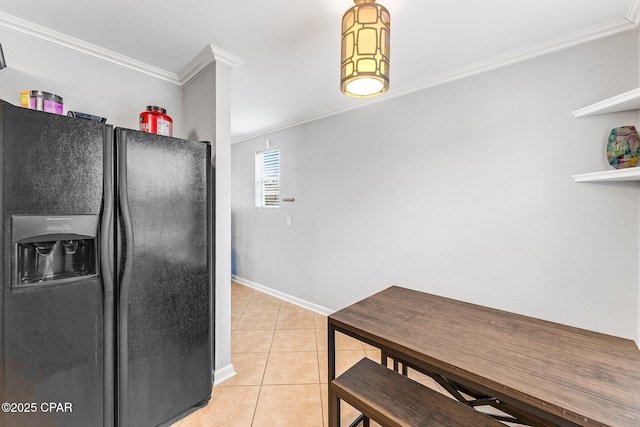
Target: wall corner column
(207, 117)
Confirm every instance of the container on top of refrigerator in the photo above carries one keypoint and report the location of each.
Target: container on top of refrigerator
(25, 98)
(45, 101)
(86, 116)
(155, 120)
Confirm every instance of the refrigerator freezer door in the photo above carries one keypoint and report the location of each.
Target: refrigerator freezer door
(164, 361)
(51, 342)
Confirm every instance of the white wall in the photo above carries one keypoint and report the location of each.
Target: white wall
(462, 190)
(86, 83)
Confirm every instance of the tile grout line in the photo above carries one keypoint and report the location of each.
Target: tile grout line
(264, 372)
(316, 350)
(255, 406)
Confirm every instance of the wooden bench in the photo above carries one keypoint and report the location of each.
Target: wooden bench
(393, 400)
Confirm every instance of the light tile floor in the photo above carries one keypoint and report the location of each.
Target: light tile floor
(279, 352)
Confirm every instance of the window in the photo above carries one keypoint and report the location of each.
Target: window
(268, 178)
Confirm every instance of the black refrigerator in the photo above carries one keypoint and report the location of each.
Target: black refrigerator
(106, 299)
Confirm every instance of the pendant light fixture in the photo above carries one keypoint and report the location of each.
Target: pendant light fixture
(365, 50)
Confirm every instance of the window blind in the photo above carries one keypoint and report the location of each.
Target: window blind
(268, 178)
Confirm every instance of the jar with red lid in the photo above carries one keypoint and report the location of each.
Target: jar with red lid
(155, 120)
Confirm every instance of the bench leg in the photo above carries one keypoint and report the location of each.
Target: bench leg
(361, 419)
(384, 359)
(334, 402)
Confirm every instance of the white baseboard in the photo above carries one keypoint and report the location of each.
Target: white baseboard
(285, 297)
(223, 374)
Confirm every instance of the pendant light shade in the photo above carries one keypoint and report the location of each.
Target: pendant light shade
(365, 50)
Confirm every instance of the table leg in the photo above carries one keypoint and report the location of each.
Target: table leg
(334, 402)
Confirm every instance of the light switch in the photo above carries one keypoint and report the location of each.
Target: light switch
(288, 221)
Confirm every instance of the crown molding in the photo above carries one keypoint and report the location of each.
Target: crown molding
(37, 31)
(225, 57)
(633, 14)
(312, 118)
(534, 51)
(521, 55)
(208, 55)
(205, 58)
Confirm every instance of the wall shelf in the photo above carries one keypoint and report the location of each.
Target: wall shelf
(627, 101)
(629, 174)
(624, 102)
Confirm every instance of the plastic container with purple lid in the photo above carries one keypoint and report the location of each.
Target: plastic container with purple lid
(45, 101)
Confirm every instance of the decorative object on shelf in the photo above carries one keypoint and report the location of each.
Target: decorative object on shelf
(364, 69)
(623, 147)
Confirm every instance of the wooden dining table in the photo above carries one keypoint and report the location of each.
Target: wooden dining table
(535, 372)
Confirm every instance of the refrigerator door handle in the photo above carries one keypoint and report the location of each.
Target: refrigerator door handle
(106, 228)
(126, 250)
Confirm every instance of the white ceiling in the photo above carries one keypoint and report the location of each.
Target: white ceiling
(291, 49)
